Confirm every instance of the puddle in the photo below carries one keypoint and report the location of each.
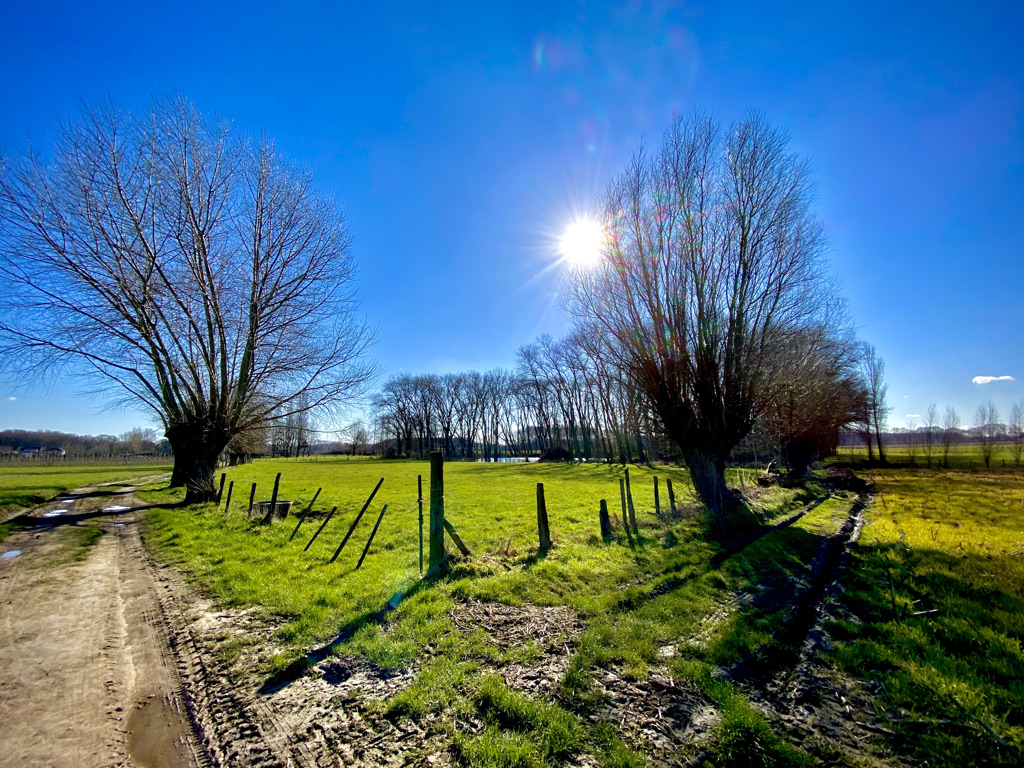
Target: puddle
(119, 525)
(67, 501)
(157, 735)
(10, 553)
(115, 508)
(55, 513)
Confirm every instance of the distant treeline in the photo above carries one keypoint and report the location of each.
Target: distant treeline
(30, 444)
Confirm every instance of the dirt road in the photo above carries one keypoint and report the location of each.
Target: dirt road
(86, 674)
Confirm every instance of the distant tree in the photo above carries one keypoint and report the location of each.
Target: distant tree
(1017, 431)
(183, 267)
(950, 430)
(713, 263)
(140, 440)
(877, 411)
(912, 440)
(987, 429)
(931, 424)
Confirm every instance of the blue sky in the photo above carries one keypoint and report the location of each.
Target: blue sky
(462, 138)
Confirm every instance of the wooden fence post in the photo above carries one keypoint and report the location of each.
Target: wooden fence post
(273, 500)
(419, 494)
(542, 519)
(629, 501)
(657, 497)
(671, 497)
(373, 533)
(622, 498)
(606, 523)
(355, 522)
(220, 491)
(252, 497)
(231, 487)
(306, 511)
(322, 526)
(436, 509)
(459, 543)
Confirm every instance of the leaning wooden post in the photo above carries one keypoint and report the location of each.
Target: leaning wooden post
(273, 500)
(542, 519)
(622, 498)
(657, 497)
(252, 497)
(606, 523)
(419, 492)
(322, 526)
(373, 533)
(220, 491)
(436, 510)
(227, 504)
(306, 511)
(629, 502)
(355, 522)
(671, 497)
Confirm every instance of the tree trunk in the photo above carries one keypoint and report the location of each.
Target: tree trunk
(197, 448)
(707, 472)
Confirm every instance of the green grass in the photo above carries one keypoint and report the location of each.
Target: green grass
(952, 543)
(962, 456)
(25, 485)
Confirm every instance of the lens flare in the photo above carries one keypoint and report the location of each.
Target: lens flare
(582, 243)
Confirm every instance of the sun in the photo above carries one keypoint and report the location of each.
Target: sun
(582, 243)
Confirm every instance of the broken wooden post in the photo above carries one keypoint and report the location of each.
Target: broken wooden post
(542, 519)
(306, 511)
(606, 523)
(456, 539)
(657, 497)
(629, 502)
(252, 498)
(322, 526)
(231, 487)
(671, 497)
(220, 491)
(419, 500)
(436, 510)
(273, 500)
(355, 522)
(373, 533)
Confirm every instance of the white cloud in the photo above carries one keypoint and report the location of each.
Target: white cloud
(12, 399)
(913, 416)
(990, 379)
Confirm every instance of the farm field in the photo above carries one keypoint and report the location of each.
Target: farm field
(793, 648)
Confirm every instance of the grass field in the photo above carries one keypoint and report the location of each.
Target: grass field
(24, 485)
(937, 598)
(633, 600)
(963, 456)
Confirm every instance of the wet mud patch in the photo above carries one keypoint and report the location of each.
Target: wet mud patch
(158, 733)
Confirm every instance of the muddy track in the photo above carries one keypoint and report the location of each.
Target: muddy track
(88, 677)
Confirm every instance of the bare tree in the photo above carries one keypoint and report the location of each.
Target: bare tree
(986, 424)
(184, 267)
(931, 424)
(1017, 431)
(713, 262)
(873, 370)
(950, 431)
